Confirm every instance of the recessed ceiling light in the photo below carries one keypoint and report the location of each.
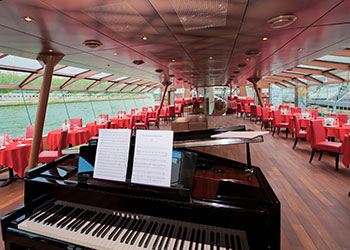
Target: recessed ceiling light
(173, 60)
(211, 58)
(300, 49)
(247, 59)
(92, 44)
(145, 38)
(50, 50)
(252, 52)
(179, 79)
(264, 38)
(108, 65)
(28, 19)
(241, 65)
(115, 53)
(281, 21)
(138, 62)
(159, 70)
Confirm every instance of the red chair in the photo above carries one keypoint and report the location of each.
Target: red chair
(142, 124)
(253, 111)
(171, 112)
(47, 156)
(318, 142)
(296, 110)
(277, 123)
(163, 113)
(132, 122)
(343, 118)
(154, 120)
(247, 110)
(258, 113)
(29, 131)
(179, 109)
(107, 124)
(240, 109)
(76, 121)
(298, 132)
(265, 117)
(283, 107)
(313, 113)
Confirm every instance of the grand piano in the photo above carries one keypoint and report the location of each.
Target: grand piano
(213, 203)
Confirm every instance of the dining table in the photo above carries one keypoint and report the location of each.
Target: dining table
(14, 154)
(94, 127)
(75, 137)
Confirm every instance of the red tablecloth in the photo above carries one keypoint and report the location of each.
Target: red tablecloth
(338, 132)
(93, 128)
(16, 156)
(75, 137)
(120, 123)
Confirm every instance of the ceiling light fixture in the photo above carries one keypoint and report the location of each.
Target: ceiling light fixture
(241, 65)
(173, 60)
(159, 70)
(281, 21)
(252, 52)
(92, 44)
(264, 38)
(211, 58)
(138, 62)
(115, 53)
(300, 49)
(28, 19)
(50, 50)
(145, 38)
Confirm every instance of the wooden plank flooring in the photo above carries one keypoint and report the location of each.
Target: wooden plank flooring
(314, 202)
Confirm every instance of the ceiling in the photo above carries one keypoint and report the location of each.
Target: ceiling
(201, 42)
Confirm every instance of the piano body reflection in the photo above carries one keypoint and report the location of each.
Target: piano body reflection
(213, 203)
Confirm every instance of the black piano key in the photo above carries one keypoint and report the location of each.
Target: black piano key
(107, 225)
(60, 215)
(238, 240)
(193, 232)
(139, 230)
(95, 223)
(171, 232)
(198, 236)
(40, 211)
(233, 243)
(113, 223)
(117, 227)
(102, 224)
(160, 232)
(218, 241)
(178, 236)
(212, 240)
(145, 233)
(54, 215)
(129, 229)
(47, 213)
(184, 235)
(227, 242)
(153, 230)
(73, 214)
(125, 224)
(83, 220)
(203, 239)
(78, 219)
(165, 234)
(92, 223)
(134, 230)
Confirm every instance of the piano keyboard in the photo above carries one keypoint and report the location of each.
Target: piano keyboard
(106, 229)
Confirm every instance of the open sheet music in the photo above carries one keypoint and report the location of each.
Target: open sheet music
(153, 157)
(112, 154)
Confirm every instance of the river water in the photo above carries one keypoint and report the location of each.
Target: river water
(14, 119)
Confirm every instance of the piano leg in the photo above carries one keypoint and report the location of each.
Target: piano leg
(10, 179)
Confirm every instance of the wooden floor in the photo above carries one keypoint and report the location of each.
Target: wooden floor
(314, 197)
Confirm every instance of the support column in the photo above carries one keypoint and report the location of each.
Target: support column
(254, 81)
(296, 97)
(49, 60)
(161, 102)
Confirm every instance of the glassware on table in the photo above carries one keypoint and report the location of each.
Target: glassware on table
(75, 126)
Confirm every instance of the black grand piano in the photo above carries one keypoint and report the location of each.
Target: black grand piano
(213, 203)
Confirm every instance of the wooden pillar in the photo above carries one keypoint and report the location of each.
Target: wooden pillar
(49, 60)
(254, 81)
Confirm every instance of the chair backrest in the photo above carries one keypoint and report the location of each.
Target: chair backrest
(246, 108)
(29, 131)
(132, 122)
(107, 124)
(296, 125)
(258, 111)
(156, 107)
(144, 109)
(295, 110)
(313, 112)
(76, 121)
(146, 118)
(62, 143)
(276, 117)
(343, 118)
(253, 111)
(264, 114)
(318, 133)
(171, 111)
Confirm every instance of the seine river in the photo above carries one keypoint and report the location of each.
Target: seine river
(14, 119)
